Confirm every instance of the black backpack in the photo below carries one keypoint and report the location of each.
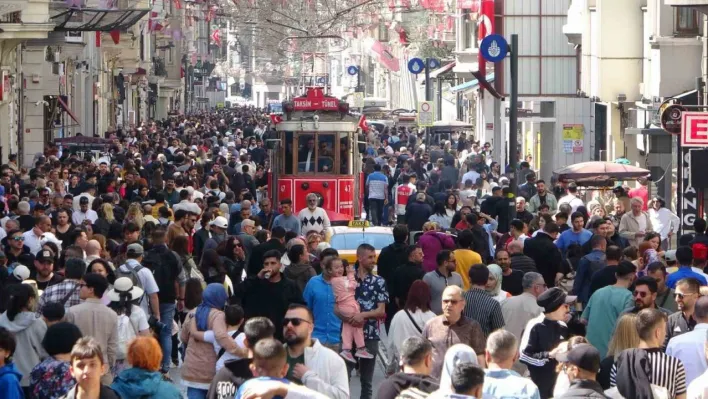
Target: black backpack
(161, 264)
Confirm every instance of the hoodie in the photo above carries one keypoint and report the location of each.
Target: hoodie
(29, 332)
(397, 383)
(300, 273)
(141, 383)
(10, 382)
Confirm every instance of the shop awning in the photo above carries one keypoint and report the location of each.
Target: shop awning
(65, 107)
(436, 73)
(92, 20)
(472, 84)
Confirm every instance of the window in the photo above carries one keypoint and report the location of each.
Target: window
(686, 21)
(353, 240)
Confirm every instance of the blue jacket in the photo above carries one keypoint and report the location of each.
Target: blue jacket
(587, 266)
(320, 299)
(570, 237)
(139, 383)
(684, 272)
(10, 382)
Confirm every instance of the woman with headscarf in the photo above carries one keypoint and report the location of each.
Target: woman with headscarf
(494, 283)
(199, 366)
(456, 354)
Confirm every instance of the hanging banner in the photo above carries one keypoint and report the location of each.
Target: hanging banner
(472, 5)
(486, 28)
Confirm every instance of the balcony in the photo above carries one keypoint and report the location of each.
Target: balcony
(699, 5)
(11, 18)
(24, 19)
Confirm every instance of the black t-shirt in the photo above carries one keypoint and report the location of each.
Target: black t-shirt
(292, 361)
(56, 279)
(68, 237)
(512, 283)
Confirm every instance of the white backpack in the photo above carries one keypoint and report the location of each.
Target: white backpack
(126, 333)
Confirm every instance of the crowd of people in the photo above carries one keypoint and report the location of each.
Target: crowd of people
(168, 253)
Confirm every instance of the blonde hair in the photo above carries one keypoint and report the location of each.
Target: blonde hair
(625, 336)
(107, 209)
(430, 226)
(567, 346)
(136, 213)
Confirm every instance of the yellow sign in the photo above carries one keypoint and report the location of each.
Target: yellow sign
(219, 105)
(573, 132)
(426, 115)
(360, 224)
(358, 100)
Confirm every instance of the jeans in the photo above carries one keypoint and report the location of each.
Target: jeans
(366, 369)
(167, 314)
(376, 206)
(194, 393)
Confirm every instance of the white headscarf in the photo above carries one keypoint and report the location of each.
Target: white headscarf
(456, 354)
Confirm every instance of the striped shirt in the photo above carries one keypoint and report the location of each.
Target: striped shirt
(377, 183)
(666, 371)
(483, 308)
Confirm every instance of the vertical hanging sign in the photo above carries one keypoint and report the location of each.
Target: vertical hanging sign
(485, 28)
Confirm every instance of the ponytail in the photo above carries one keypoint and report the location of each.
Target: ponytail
(19, 300)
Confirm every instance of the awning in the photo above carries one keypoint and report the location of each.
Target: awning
(62, 103)
(472, 84)
(436, 73)
(90, 20)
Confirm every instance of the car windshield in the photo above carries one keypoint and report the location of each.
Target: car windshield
(353, 240)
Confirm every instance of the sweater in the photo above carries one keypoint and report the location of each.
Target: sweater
(10, 382)
(140, 383)
(316, 220)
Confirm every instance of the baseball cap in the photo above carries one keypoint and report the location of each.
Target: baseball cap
(45, 255)
(700, 251)
(585, 356)
(670, 255)
(220, 222)
(134, 249)
(21, 272)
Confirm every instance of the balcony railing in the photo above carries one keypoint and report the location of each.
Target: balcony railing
(11, 18)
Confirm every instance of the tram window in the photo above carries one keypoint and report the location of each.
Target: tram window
(325, 153)
(344, 153)
(306, 153)
(353, 240)
(287, 148)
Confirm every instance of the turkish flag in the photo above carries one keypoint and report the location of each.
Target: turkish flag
(216, 37)
(115, 35)
(276, 118)
(178, 4)
(362, 124)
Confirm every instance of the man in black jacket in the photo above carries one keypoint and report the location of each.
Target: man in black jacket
(581, 365)
(545, 254)
(235, 372)
(519, 261)
(416, 364)
(418, 213)
(277, 241)
(390, 258)
(405, 275)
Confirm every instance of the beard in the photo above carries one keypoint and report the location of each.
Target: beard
(293, 339)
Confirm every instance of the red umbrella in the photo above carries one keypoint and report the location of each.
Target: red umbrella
(598, 171)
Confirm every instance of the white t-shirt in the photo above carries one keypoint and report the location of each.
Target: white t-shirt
(471, 175)
(240, 338)
(147, 280)
(139, 319)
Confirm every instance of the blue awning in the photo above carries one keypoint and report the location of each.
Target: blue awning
(471, 84)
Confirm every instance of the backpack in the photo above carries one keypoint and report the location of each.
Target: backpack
(126, 333)
(161, 264)
(132, 274)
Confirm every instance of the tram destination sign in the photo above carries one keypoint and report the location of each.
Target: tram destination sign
(315, 100)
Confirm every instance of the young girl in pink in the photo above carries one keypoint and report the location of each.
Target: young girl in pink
(344, 288)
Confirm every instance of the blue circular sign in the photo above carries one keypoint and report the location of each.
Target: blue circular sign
(321, 80)
(433, 63)
(416, 66)
(352, 70)
(494, 48)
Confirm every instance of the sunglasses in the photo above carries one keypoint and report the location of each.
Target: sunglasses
(295, 321)
(18, 238)
(679, 295)
(641, 294)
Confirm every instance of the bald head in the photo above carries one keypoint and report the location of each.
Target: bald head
(700, 310)
(147, 209)
(93, 248)
(515, 247)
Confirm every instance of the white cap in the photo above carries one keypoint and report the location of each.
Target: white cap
(220, 222)
(21, 272)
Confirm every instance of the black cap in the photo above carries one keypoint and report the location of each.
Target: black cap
(585, 356)
(553, 298)
(45, 255)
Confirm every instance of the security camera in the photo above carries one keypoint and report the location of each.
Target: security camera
(316, 118)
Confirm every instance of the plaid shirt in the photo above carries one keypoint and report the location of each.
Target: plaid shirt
(57, 293)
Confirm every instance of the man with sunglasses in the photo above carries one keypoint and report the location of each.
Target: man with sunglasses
(310, 363)
(16, 250)
(687, 292)
(645, 291)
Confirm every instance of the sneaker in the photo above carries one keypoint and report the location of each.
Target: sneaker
(347, 355)
(363, 353)
(166, 376)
